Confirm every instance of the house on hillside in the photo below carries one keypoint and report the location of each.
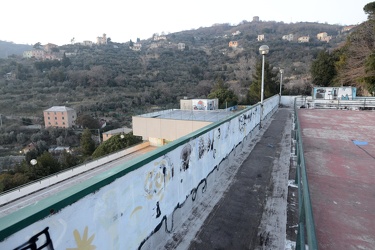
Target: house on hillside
(323, 37)
(233, 44)
(49, 46)
(59, 116)
(156, 37)
(236, 33)
(29, 147)
(289, 37)
(136, 47)
(181, 46)
(304, 39)
(87, 43)
(348, 28)
(44, 52)
(260, 37)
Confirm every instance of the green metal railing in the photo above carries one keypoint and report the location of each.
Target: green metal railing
(306, 224)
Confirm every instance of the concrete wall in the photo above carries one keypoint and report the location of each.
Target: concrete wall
(168, 129)
(136, 205)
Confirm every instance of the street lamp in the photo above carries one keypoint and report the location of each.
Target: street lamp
(281, 70)
(33, 162)
(263, 50)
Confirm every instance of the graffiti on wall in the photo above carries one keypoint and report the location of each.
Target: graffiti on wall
(41, 240)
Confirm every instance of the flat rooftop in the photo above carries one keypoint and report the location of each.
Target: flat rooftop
(196, 115)
(339, 149)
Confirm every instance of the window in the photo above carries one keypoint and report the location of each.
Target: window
(55, 118)
(56, 123)
(63, 123)
(48, 117)
(63, 117)
(49, 123)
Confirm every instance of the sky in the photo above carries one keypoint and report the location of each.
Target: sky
(58, 21)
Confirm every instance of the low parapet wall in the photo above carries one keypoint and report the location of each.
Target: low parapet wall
(135, 204)
(58, 177)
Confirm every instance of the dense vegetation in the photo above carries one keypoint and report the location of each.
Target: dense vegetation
(352, 63)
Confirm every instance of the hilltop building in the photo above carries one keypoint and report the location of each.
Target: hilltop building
(101, 39)
(87, 43)
(60, 117)
(44, 52)
(156, 37)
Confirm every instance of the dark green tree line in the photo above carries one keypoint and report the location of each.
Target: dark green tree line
(271, 86)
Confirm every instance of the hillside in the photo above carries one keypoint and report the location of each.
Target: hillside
(114, 82)
(9, 49)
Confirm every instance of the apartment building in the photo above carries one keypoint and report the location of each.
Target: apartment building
(59, 116)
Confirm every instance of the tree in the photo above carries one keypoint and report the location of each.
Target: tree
(116, 143)
(323, 69)
(86, 121)
(65, 61)
(67, 160)
(46, 165)
(270, 83)
(369, 9)
(222, 92)
(37, 45)
(87, 143)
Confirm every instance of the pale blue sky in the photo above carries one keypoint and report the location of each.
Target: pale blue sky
(58, 21)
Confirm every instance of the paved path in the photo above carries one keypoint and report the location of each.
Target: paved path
(235, 221)
(340, 157)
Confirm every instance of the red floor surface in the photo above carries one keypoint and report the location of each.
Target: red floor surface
(341, 176)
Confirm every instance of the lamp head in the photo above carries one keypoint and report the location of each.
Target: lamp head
(281, 70)
(264, 49)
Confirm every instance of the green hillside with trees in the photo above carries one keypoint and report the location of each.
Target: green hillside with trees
(115, 81)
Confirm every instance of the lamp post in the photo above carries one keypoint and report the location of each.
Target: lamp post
(263, 50)
(281, 70)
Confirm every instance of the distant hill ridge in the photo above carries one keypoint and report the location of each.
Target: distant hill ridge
(10, 48)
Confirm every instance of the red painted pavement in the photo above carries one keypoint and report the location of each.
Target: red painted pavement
(341, 176)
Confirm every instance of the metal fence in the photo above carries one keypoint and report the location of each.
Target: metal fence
(355, 104)
(306, 224)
